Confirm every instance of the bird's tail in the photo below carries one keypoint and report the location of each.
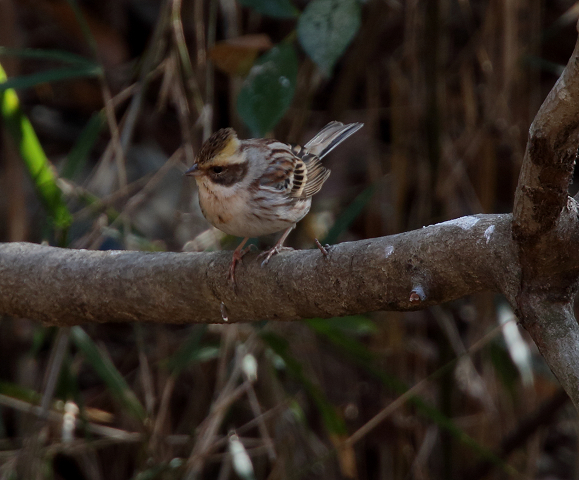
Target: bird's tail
(331, 136)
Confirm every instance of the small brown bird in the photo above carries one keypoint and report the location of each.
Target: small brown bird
(259, 186)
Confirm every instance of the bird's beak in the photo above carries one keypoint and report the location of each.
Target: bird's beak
(194, 171)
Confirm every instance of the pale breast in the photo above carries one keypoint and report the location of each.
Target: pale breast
(243, 214)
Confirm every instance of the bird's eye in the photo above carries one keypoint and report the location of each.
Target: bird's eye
(217, 169)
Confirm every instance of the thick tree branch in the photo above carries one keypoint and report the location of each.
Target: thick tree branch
(555, 331)
(546, 229)
(402, 272)
(549, 158)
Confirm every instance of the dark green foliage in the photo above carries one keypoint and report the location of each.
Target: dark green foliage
(268, 90)
(326, 28)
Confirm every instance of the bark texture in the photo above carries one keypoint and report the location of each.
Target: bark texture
(409, 271)
(546, 230)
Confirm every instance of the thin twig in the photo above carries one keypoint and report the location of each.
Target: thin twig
(153, 52)
(181, 45)
(53, 370)
(262, 427)
(412, 392)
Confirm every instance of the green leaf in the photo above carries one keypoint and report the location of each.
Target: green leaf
(152, 473)
(326, 28)
(41, 54)
(352, 325)
(83, 24)
(272, 8)
(268, 90)
(108, 373)
(191, 351)
(332, 420)
(20, 392)
(356, 325)
(39, 167)
(504, 366)
(53, 75)
(76, 159)
(342, 340)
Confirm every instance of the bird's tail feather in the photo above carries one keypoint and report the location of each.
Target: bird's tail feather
(331, 136)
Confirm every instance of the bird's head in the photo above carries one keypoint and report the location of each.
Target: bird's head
(220, 159)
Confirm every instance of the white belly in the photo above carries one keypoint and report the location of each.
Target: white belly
(235, 213)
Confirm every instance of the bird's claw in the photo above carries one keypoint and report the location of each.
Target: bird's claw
(271, 252)
(237, 258)
(324, 249)
(231, 275)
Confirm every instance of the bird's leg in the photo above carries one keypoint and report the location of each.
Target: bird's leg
(324, 249)
(238, 254)
(278, 247)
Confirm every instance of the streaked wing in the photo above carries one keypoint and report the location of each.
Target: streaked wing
(279, 174)
(330, 137)
(298, 171)
(293, 171)
(314, 173)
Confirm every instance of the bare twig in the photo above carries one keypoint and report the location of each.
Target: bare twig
(53, 370)
(416, 389)
(208, 429)
(153, 53)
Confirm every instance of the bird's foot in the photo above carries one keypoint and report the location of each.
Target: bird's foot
(237, 258)
(324, 249)
(271, 252)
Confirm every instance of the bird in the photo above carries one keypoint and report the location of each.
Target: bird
(254, 187)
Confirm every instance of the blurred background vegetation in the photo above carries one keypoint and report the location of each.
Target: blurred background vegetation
(104, 105)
